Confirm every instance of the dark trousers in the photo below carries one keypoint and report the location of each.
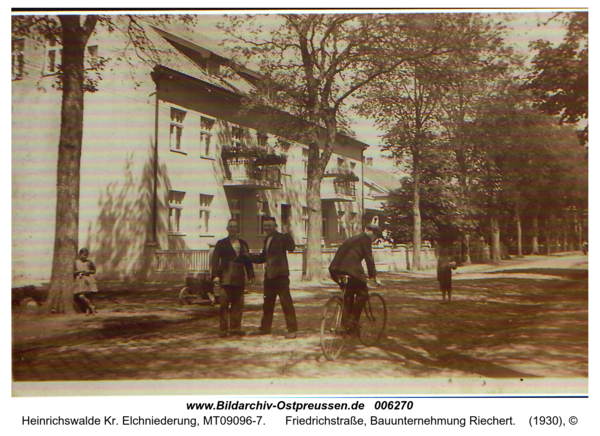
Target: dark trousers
(444, 276)
(355, 298)
(446, 286)
(278, 286)
(231, 319)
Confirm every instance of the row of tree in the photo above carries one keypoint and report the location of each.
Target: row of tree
(481, 134)
(484, 150)
(444, 88)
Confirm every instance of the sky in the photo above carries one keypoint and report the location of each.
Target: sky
(523, 27)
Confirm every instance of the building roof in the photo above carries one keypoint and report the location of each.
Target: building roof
(189, 58)
(185, 57)
(383, 181)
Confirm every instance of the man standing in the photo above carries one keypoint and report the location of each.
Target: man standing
(348, 260)
(231, 275)
(277, 278)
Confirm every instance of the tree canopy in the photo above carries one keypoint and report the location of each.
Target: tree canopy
(559, 77)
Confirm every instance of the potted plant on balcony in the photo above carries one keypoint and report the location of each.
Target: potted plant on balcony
(270, 157)
(343, 176)
(229, 152)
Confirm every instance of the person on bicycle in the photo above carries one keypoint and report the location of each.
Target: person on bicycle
(348, 261)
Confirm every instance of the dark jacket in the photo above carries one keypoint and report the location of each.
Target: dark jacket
(223, 265)
(276, 257)
(349, 257)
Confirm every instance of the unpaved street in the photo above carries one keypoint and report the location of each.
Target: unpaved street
(519, 320)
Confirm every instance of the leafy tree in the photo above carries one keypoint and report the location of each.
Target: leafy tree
(471, 77)
(74, 37)
(316, 62)
(409, 103)
(405, 105)
(559, 77)
(73, 33)
(439, 203)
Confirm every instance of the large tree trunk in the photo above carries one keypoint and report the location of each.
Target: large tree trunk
(496, 253)
(578, 232)
(519, 237)
(549, 236)
(60, 296)
(535, 249)
(416, 217)
(314, 261)
(466, 258)
(565, 232)
(317, 162)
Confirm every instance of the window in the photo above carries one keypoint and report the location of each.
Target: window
(18, 58)
(370, 161)
(235, 207)
(175, 209)
(305, 162)
(236, 136)
(52, 56)
(353, 222)
(92, 51)
(206, 201)
(340, 162)
(214, 68)
(305, 220)
(263, 212)
(262, 139)
(206, 125)
(352, 165)
(325, 221)
(286, 214)
(341, 233)
(176, 131)
(204, 216)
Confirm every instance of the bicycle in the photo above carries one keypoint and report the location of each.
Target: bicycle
(201, 287)
(334, 322)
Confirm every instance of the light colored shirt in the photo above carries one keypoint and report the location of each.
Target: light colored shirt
(235, 243)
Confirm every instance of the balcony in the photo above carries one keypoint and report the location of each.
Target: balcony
(339, 184)
(247, 168)
(334, 189)
(246, 174)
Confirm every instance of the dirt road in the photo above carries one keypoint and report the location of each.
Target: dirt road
(520, 320)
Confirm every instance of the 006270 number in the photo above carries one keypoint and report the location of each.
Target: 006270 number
(393, 405)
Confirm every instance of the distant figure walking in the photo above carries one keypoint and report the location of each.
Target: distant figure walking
(84, 281)
(277, 278)
(446, 263)
(231, 275)
(348, 260)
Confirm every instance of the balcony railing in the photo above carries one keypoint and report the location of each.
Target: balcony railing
(245, 173)
(338, 190)
(345, 188)
(182, 261)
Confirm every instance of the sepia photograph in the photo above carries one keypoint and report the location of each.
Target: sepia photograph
(299, 202)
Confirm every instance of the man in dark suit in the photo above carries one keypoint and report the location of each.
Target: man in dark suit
(277, 278)
(231, 275)
(348, 260)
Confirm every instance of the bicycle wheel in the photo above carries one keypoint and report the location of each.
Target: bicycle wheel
(332, 329)
(29, 305)
(185, 296)
(373, 320)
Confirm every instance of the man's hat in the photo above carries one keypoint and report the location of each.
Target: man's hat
(375, 229)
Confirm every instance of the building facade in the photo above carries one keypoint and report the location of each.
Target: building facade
(169, 156)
